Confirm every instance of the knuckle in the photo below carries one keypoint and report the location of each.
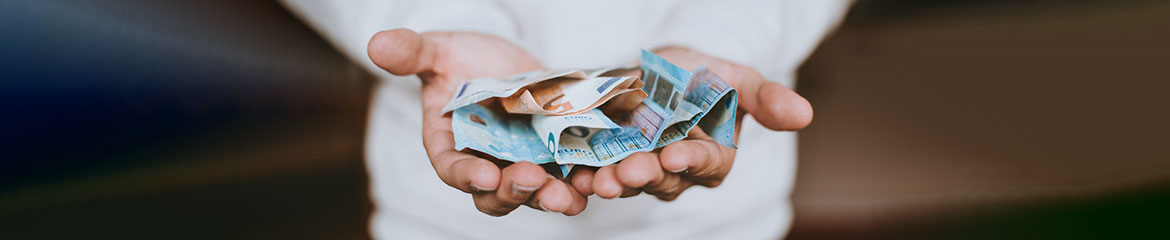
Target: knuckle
(630, 192)
(674, 185)
(707, 173)
(718, 164)
(668, 198)
(491, 211)
(667, 194)
(712, 183)
(508, 198)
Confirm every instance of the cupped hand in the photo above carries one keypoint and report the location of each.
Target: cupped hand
(698, 159)
(443, 60)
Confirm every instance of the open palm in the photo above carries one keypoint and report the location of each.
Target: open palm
(444, 60)
(698, 159)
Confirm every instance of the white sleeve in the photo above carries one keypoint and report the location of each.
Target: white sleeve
(772, 36)
(349, 24)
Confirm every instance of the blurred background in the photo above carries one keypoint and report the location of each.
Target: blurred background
(934, 119)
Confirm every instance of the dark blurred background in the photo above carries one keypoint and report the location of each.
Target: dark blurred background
(988, 119)
(177, 119)
(934, 119)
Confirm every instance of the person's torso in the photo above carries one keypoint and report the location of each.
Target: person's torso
(412, 201)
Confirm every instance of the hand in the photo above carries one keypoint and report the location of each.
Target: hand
(697, 160)
(443, 60)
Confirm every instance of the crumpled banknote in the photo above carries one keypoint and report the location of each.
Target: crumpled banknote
(677, 100)
(552, 92)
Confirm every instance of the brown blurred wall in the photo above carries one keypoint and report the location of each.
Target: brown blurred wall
(937, 113)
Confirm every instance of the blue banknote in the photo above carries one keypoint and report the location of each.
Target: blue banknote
(677, 101)
(483, 130)
(718, 102)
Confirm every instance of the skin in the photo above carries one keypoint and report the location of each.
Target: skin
(698, 160)
(443, 60)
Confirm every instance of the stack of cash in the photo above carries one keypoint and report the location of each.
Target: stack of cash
(553, 117)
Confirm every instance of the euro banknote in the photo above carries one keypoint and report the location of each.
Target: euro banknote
(553, 92)
(497, 135)
(513, 137)
(479, 89)
(569, 96)
(676, 101)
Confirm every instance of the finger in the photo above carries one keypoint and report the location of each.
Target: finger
(579, 202)
(519, 181)
(402, 51)
(639, 169)
(461, 170)
(578, 206)
(773, 105)
(583, 180)
(699, 158)
(644, 171)
(605, 183)
(466, 172)
(669, 188)
(630, 192)
(555, 196)
(490, 204)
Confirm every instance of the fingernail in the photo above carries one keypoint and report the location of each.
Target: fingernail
(684, 168)
(518, 190)
(542, 208)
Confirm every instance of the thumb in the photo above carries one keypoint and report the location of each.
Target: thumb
(401, 52)
(776, 107)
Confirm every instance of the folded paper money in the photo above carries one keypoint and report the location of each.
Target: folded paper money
(677, 100)
(553, 92)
